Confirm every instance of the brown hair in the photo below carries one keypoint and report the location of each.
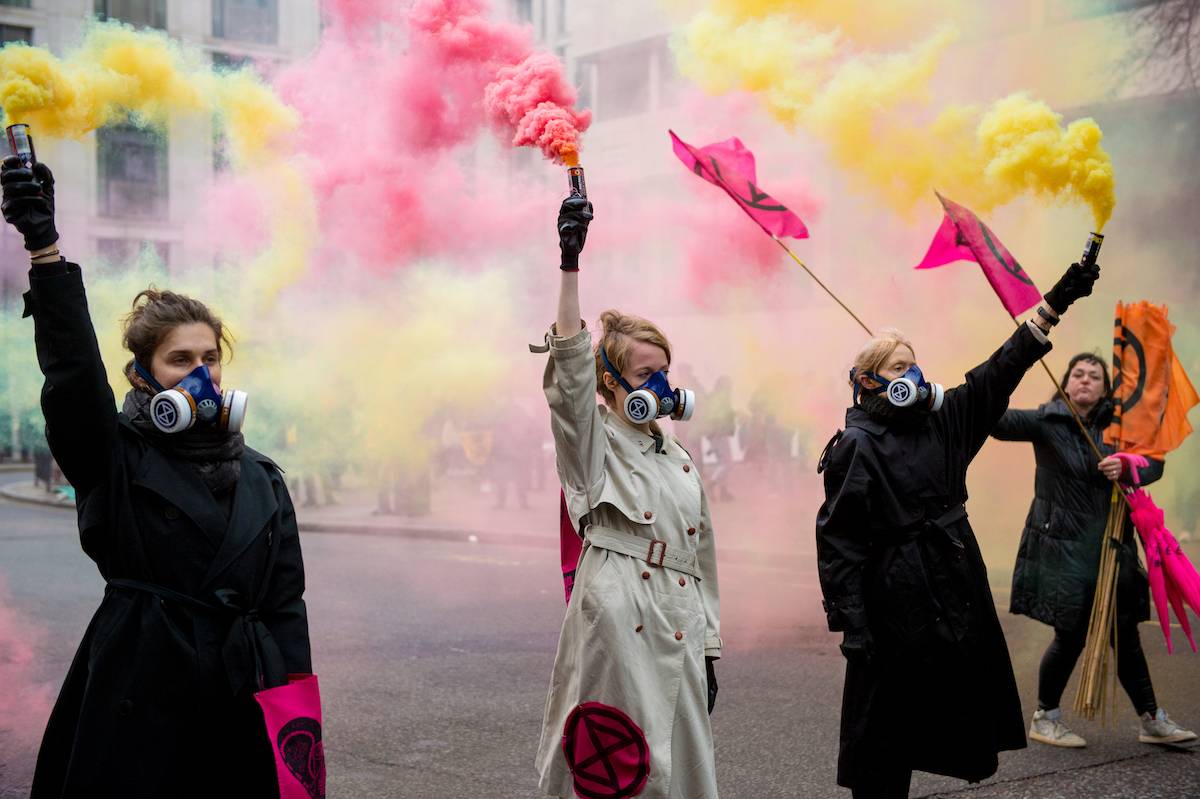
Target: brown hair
(1086, 357)
(876, 351)
(155, 314)
(618, 332)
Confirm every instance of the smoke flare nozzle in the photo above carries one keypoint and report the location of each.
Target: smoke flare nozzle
(1091, 250)
(20, 143)
(576, 182)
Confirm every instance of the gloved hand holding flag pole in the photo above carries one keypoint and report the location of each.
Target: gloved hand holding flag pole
(730, 165)
(964, 237)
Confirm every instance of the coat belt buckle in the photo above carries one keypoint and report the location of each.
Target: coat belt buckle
(662, 553)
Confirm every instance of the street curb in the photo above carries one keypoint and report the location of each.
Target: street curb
(12, 496)
(448, 534)
(16, 467)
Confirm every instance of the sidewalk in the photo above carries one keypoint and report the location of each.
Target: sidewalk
(757, 526)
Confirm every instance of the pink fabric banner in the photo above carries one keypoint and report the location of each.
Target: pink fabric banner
(964, 237)
(292, 714)
(730, 165)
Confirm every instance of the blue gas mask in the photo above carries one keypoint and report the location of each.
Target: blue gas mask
(905, 391)
(195, 399)
(653, 399)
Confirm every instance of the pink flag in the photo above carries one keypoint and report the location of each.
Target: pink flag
(964, 237)
(730, 165)
(292, 713)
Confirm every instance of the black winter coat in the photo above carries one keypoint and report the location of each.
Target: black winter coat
(1054, 580)
(897, 556)
(159, 699)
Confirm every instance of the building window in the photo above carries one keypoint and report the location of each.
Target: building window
(630, 79)
(15, 3)
(246, 20)
(524, 10)
(131, 164)
(15, 33)
(147, 13)
(121, 252)
(561, 16)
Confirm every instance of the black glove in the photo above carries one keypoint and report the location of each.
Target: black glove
(712, 683)
(857, 644)
(1076, 282)
(29, 201)
(573, 219)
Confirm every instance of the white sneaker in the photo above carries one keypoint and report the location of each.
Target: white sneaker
(1159, 729)
(1048, 728)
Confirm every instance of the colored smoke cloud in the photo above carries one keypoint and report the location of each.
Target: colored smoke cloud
(859, 102)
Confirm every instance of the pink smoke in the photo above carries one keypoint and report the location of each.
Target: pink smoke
(534, 98)
(24, 702)
(385, 128)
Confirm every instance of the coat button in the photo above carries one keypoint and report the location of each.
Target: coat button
(639, 628)
(645, 575)
(125, 708)
(678, 636)
(171, 512)
(691, 531)
(687, 467)
(682, 581)
(649, 514)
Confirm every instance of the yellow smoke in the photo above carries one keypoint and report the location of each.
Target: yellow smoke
(860, 103)
(118, 74)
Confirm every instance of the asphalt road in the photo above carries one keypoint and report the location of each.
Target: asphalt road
(434, 659)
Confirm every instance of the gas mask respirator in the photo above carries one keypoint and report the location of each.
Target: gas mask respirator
(653, 399)
(907, 391)
(196, 399)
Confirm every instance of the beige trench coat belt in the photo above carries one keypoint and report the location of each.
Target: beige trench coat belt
(651, 550)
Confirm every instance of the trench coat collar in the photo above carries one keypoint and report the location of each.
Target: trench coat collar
(857, 417)
(253, 505)
(179, 485)
(642, 441)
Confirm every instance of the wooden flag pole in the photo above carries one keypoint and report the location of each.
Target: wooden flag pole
(822, 285)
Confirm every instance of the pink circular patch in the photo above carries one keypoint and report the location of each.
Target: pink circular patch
(606, 752)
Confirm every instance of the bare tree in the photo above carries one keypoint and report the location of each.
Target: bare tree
(1173, 40)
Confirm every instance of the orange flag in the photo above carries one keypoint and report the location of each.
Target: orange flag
(1151, 391)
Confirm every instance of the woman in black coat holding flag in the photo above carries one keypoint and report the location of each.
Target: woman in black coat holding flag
(192, 531)
(1058, 560)
(929, 684)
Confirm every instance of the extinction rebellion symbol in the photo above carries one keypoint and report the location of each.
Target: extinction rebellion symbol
(606, 752)
(166, 414)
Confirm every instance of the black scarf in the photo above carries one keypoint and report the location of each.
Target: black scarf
(884, 411)
(215, 455)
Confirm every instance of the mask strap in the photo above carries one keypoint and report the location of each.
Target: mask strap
(612, 371)
(149, 378)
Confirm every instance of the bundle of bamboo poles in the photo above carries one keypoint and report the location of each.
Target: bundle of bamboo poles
(1098, 679)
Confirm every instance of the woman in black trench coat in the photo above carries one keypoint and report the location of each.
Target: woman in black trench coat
(929, 684)
(193, 533)
(1058, 559)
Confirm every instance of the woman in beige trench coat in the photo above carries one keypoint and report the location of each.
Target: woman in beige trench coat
(627, 712)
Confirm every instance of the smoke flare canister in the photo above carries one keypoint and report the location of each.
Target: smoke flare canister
(1091, 250)
(20, 144)
(576, 182)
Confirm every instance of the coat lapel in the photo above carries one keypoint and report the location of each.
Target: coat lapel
(178, 484)
(253, 505)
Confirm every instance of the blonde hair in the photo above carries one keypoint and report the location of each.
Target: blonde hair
(875, 352)
(618, 332)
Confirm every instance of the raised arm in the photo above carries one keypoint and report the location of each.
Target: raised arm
(974, 408)
(570, 378)
(81, 415)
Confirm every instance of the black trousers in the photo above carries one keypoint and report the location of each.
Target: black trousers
(1063, 652)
